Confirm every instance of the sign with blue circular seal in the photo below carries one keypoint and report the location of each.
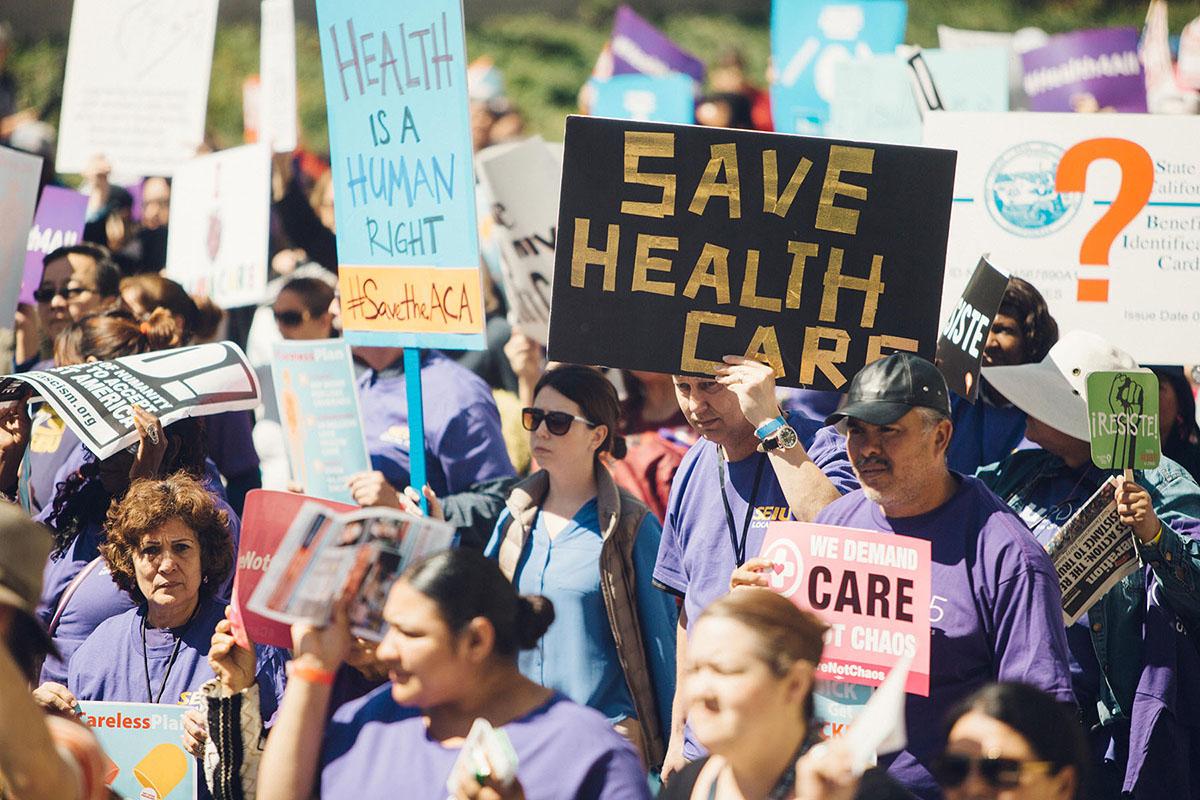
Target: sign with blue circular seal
(1019, 191)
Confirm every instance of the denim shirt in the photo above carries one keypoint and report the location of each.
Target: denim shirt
(1139, 629)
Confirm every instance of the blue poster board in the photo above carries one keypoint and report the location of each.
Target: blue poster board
(144, 742)
(319, 413)
(665, 98)
(404, 185)
(809, 38)
(874, 98)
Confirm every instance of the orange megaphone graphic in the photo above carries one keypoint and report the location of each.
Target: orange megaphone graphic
(162, 769)
(111, 770)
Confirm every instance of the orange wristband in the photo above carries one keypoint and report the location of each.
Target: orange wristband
(310, 674)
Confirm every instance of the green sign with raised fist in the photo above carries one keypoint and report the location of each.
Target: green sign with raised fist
(1123, 419)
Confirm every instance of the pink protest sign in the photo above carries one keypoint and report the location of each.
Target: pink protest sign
(266, 520)
(873, 589)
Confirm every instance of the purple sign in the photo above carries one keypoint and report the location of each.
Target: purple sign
(57, 223)
(1086, 71)
(639, 47)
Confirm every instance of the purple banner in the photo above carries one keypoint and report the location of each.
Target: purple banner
(57, 223)
(639, 47)
(1086, 71)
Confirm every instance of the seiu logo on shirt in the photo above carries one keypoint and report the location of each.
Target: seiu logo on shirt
(397, 435)
(772, 514)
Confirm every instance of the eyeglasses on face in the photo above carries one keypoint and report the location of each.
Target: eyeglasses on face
(45, 294)
(950, 770)
(557, 422)
(288, 319)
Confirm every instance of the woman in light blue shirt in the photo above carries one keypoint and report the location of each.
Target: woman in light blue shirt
(571, 535)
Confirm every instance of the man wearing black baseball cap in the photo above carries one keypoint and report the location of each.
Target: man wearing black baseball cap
(996, 610)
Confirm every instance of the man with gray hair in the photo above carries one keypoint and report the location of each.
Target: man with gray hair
(996, 610)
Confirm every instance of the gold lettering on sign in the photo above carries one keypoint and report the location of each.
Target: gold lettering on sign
(644, 263)
(835, 281)
(834, 218)
(712, 270)
(815, 358)
(691, 337)
(724, 156)
(583, 255)
(649, 144)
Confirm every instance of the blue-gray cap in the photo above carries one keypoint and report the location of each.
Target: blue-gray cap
(885, 390)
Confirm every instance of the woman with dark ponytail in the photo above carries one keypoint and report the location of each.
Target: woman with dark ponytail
(456, 626)
(571, 534)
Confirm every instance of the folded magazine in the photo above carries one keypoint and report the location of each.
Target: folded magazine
(357, 555)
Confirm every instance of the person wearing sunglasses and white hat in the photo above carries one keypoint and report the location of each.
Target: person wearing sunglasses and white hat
(570, 534)
(1136, 675)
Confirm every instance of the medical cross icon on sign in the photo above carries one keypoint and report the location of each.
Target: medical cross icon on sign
(788, 574)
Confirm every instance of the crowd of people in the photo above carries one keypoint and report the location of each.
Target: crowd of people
(606, 603)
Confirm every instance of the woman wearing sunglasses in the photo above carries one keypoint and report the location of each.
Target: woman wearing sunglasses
(570, 534)
(1009, 741)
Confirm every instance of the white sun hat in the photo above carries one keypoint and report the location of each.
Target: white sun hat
(1054, 390)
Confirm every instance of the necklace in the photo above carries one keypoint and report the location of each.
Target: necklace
(150, 696)
(783, 787)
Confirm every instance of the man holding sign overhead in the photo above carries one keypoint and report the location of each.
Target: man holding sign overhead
(1134, 669)
(995, 609)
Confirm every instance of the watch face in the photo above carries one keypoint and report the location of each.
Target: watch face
(787, 438)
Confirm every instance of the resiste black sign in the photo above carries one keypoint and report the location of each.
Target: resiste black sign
(680, 244)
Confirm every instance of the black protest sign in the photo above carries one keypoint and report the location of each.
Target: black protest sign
(96, 399)
(960, 346)
(681, 244)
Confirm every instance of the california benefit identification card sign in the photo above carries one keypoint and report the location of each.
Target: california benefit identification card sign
(873, 589)
(681, 244)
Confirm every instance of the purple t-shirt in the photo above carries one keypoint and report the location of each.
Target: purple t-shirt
(695, 556)
(53, 447)
(376, 749)
(996, 611)
(230, 442)
(463, 439)
(110, 665)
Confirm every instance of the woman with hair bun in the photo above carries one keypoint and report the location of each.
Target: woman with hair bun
(455, 629)
(571, 534)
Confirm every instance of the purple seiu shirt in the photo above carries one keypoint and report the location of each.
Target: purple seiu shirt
(97, 597)
(373, 746)
(996, 611)
(230, 442)
(53, 448)
(695, 556)
(463, 439)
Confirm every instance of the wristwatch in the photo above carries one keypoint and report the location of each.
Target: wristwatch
(784, 438)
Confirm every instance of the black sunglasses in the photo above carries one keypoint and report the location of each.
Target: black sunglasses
(557, 422)
(288, 319)
(66, 293)
(950, 770)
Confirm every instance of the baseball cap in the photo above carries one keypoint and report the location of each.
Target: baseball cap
(1054, 390)
(885, 390)
(24, 547)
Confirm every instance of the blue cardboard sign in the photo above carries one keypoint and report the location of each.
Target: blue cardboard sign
(666, 98)
(319, 413)
(809, 38)
(404, 186)
(874, 98)
(144, 745)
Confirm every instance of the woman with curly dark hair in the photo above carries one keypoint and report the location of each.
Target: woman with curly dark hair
(169, 550)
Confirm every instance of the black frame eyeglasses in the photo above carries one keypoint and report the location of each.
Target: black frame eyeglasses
(45, 295)
(557, 422)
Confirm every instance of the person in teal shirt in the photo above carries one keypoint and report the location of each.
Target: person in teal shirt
(568, 533)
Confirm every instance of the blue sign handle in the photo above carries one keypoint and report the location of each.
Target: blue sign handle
(416, 423)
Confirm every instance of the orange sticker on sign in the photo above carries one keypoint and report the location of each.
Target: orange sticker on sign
(411, 299)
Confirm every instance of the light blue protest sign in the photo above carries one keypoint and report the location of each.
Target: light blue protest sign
(874, 98)
(319, 412)
(809, 38)
(144, 745)
(666, 98)
(404, 186)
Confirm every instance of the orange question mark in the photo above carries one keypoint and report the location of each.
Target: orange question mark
(1137, 182)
